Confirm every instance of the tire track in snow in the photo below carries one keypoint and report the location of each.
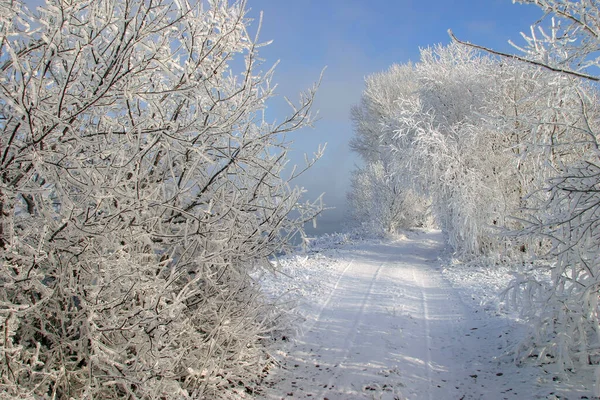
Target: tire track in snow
(325, 304)
(350, 339)
(361, 312)
(425, 305)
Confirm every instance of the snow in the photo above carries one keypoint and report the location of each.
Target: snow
(397, 319)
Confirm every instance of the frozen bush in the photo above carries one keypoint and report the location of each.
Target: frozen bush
(138, 183)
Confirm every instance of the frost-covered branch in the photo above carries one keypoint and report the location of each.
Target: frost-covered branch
(138, 184)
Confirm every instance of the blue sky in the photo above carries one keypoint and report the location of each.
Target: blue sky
(356, 38)
(353, 39)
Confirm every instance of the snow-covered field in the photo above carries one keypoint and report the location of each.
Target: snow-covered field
(395, 319)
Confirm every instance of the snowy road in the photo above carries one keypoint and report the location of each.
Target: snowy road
(391, 327)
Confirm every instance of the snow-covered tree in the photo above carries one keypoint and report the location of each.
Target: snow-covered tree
(563, 211)
(465, 164)
(139, 181)
(445, 127)
(565, 208)
(380, 201)
(381, 198)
